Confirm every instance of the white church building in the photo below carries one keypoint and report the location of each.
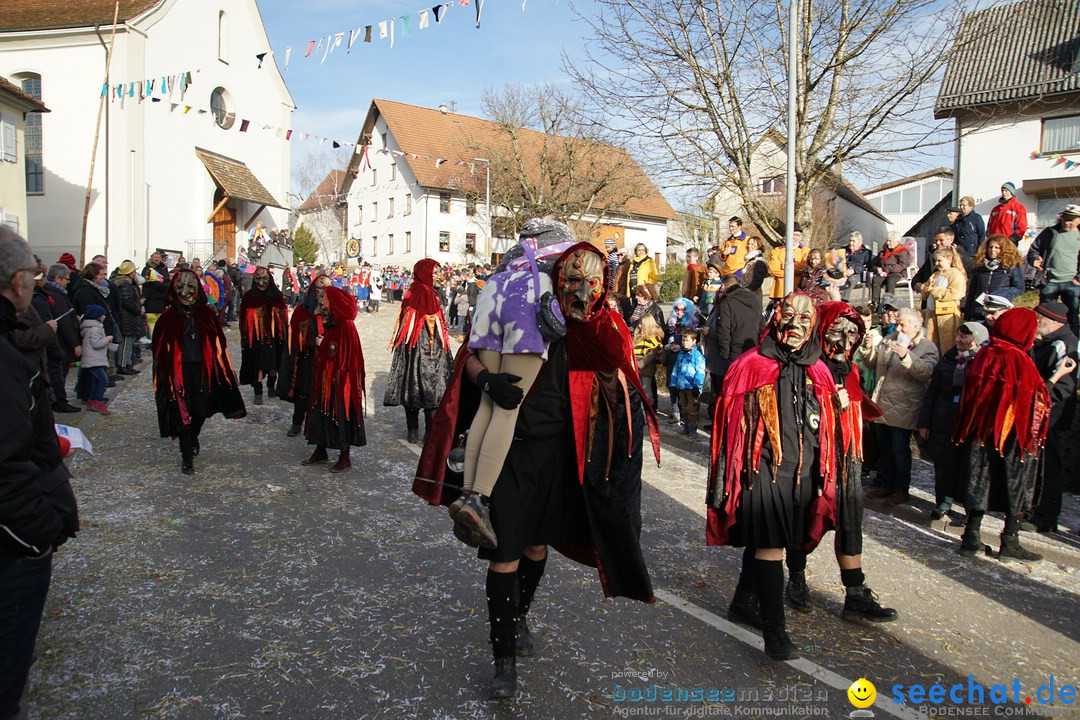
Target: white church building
(192, 149)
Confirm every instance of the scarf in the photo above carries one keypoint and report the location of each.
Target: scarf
(420, 308)
(57, 286)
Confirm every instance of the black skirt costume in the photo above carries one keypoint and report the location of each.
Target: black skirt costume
(419, 374)
(849, 496)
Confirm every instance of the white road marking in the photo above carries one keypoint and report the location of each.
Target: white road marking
(823, 675)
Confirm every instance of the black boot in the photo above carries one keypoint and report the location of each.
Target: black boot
(317, 457)
(412, 424)
(529, 574)
(343, 462)
(744, 607)
(271, 385)
(294, 430)
(769, 577)
(502, 601)
(798, 594)
(1011, 549)
(862, 604)
(971, 543)
(414, 436)
(258, 393)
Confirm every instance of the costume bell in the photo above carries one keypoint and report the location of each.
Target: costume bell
(193, 376)
(263, 319)
(335, 417)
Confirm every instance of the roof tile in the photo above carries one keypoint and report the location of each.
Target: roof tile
(1011, 53)
(44, 14)
(421, 131)
(236, 179)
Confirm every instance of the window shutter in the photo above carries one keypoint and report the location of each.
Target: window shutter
(9, 141)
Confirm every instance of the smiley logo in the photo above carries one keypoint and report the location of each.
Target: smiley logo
(862, 693)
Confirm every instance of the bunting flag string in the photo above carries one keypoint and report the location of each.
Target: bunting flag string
(402, 26)
(147, 87)
(1058, 158)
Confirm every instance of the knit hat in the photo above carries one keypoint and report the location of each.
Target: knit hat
(610, 242)
(67, 259)
(1009, 186)
(1053, 310)
(797, 228)
(93, 312)
(976, 330)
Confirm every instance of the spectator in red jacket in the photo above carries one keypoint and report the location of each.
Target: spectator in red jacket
(1009, 216)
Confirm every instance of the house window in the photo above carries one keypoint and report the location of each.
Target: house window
(910, 200)
(359, 214)
(444, 202)
(772, 185)
(408, 204)
(470, 242)
(393, 171)
(892, 203)
(374, 177)
(391, 214)
(10, 154)
(390, 244)
(470, 205)
(384, 140)
(374, 211)
(223, 37)
(374, 245)
(35, 169)
(444, 242)
(219, 105)
(1061, 135)
(408, 242)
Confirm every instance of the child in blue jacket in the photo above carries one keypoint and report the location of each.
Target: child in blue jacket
(688, 377)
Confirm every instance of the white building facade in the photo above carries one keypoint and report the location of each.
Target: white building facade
(1014, 98)
(407, 202)
(150, 187)
(906, 200)
(17, 111)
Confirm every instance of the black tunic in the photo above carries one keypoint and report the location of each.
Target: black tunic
(774, 509)
(419, 374)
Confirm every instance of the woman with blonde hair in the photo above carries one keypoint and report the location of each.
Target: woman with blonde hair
(943, 293)
(648, 344)
(640, 271)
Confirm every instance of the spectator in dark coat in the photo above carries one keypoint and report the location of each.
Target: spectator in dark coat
(1054, 345)
(969, 226)
(69, 341)
(37, 507)
(859, 263)
(131, 317)
(732, 328)
(999, 270)
(938, 413)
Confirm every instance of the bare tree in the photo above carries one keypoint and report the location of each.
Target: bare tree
(320, 206)
(701, 83)
(546, 161)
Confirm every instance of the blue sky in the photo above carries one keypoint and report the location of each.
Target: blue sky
(451, 62)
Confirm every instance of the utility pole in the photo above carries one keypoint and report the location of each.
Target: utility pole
(793, 89)
(487, 201)
(97, 132)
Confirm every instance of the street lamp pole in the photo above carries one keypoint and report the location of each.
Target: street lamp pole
(487, 201)
(793, 88)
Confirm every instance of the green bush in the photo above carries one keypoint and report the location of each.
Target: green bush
(671, 280)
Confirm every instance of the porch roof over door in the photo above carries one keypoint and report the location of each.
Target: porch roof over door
(236, 179)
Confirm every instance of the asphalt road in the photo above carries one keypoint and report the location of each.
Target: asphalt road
(260, 588)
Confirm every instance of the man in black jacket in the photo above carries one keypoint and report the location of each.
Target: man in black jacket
(37, 507)
(1055, 344)
(859, 261)
(732, 328)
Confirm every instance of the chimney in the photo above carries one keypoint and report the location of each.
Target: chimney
(442, 108)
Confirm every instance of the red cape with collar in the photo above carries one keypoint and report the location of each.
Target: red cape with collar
(736, 449)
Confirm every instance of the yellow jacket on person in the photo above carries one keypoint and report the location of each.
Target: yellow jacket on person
(777, 258)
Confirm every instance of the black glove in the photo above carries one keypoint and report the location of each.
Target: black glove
(501, 389)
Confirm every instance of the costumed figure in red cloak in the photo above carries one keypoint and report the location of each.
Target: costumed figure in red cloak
(772, 478)
(335, 417)
(193, 377)
(305, 326)
(572, 476)
(263, 320)
(1004, 410)
(840, 330)
(422, 362)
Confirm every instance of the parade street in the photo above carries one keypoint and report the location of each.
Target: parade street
(260, 588)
